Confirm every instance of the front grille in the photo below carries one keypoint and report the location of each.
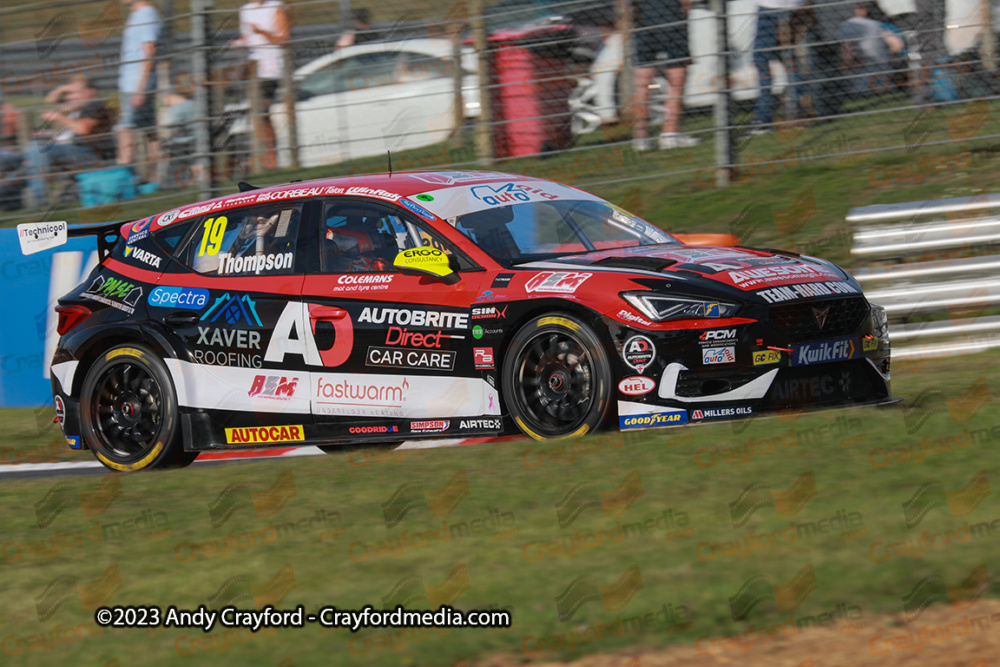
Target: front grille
(701, 383)
(800, 321)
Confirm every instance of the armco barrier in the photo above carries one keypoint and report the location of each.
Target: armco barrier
(29, 289)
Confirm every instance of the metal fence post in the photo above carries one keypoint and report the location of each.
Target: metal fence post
(484, 131)
(624, 24)
(293, 124)
(724, 157)
(201, 68)
(988, 39)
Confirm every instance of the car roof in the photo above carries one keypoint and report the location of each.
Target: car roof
(429, 46)
(381, 187)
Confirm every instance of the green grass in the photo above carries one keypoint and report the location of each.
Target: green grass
(523, 481)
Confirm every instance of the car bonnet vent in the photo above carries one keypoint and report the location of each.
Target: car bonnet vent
(641, 263)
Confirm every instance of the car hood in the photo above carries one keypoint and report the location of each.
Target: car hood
(743, 268)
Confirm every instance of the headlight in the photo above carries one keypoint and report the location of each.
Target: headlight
(880, 322)
(660, 307)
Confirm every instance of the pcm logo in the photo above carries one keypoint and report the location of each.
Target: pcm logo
(636, 385)
(718, 334)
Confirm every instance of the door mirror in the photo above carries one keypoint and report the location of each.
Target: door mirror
(426, 261)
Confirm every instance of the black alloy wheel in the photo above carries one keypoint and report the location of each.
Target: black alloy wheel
(557, 378)
(129, 412)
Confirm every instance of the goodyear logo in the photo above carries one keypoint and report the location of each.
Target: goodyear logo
(765, 357)
(648, 421)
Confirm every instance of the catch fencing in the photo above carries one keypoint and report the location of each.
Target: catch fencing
(565, 89)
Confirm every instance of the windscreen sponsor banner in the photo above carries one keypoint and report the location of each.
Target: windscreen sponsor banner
(461, 199)
(29, 288)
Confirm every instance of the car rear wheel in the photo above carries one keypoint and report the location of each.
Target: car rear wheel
(129, 412)
(557, 378)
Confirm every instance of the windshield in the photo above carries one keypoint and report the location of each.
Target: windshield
(540, 230)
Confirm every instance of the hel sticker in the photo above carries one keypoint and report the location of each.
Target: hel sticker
(38, 236)
(636, 386)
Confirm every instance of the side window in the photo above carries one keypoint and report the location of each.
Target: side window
(365, 238)
(249, 241)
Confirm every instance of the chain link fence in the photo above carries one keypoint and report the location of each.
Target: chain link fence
(591, 92)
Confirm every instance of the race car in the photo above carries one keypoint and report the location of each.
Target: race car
(370, 310)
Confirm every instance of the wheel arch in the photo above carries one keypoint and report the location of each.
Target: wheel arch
(161, 342)
(553, 307)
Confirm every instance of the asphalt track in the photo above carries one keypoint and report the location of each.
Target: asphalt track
(88, 465)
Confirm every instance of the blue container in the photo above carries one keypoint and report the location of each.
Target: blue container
(106, 186)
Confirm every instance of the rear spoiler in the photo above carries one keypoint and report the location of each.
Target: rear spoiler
(37, 236)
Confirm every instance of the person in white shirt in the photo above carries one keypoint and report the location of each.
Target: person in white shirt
(264, 28)
(772, 16)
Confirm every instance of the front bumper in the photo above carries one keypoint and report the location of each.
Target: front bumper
(731, 371)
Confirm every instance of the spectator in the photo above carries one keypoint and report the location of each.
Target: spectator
(264, 29)
(178, 150)
(868, 43)
(930, 47)
(829, 89)
(83, 126)
(10, 159)
(771, 43)
(361, 30)
(661, 42)
(137, 83)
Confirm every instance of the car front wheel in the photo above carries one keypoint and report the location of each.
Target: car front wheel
(129, 411)
(557, 378)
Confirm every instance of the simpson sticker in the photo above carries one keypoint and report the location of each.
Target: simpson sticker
(638, 352)
(557, 282)
(436, 426)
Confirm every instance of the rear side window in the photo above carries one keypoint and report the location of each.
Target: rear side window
(248, 241)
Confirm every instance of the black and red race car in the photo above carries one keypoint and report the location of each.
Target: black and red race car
(366, 311)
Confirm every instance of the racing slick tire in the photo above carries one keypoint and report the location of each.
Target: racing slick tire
(557, 378)
(128, 410)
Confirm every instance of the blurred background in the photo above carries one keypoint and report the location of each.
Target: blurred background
(571, 90)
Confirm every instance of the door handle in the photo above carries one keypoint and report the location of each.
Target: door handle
(326, 312)
(184, 318)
